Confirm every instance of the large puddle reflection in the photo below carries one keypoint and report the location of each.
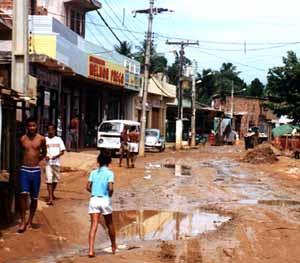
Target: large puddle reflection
(164, 225)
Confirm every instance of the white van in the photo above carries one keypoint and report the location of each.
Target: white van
(109, 133)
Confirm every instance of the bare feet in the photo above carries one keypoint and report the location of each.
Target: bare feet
(22, 228)
(113, 249)
(91, 254)
(29, 225)
(49, 203)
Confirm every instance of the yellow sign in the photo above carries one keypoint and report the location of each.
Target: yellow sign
(105, 71)
(43, 45)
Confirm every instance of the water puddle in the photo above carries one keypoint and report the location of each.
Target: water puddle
(269, 202)
(179, 170)
(138, 225)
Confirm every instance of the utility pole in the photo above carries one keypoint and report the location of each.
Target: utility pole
(19, 80)
(193, 120)
(179, 124)
(151, 12)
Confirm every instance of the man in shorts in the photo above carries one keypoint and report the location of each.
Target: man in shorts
(124, 145)
(55, 149)
(133, 145)
(100, 185)
(34, 150)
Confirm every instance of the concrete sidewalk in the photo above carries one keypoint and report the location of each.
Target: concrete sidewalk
(84, 160)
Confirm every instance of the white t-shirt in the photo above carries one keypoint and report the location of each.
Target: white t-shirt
(54, 147)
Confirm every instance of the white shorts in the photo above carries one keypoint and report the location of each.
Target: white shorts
(133, 147)
(100, 205)
(52, 173)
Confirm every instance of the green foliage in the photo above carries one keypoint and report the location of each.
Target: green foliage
(158, 63)
(256, 89)
(173, 70)
(124, 49)
(219, 83)
(283, 88)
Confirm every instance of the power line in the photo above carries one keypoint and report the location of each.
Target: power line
(108, 26)
(121, 21)
(228, 60)
(164, 36)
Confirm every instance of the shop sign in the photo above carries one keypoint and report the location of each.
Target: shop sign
(46, 98)
(132, 80)
(105, 71)
(47, 78)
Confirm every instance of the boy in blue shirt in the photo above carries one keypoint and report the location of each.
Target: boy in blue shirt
(100, 185)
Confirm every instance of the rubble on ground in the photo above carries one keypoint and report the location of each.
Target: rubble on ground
(260, 154)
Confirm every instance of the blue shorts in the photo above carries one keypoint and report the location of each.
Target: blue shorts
(30, 181)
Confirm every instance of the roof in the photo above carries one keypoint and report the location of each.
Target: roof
(87, 5)
(161, 88)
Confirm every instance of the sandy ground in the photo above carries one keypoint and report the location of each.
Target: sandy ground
(262, 202)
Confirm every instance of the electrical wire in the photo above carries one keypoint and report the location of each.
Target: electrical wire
(120, 21)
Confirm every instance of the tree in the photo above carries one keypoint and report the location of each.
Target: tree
(124, 49)
(256, 88)
(219, 83)
(283, 87)
(173, 70)
(157, 61)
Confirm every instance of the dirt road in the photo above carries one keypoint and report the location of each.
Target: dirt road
(202, 205)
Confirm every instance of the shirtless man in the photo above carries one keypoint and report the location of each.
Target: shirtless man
(34, 150)
(133, 146)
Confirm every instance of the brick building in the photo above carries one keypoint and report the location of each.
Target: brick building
(247, 112)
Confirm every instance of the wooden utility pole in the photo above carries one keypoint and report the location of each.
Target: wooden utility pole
(193, 120)
(179, 124)
(151, 12)
(19, 72)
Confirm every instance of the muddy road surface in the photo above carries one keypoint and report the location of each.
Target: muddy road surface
(201, 205)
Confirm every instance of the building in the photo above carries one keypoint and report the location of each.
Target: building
(75, 76)
(247, 112)
(160, 94)
(67, 75)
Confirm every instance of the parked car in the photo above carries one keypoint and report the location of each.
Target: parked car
(109, 134)
(154, 140)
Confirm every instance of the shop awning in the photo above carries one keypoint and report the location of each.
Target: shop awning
(51, 64)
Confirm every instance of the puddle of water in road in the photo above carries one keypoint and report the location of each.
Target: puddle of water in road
(269, 202)
(179, 170)
(163, 225)
(145, 225)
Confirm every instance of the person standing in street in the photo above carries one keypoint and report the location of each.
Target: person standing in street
(124, 145)
(74, 133)
(55, 149)
(133, 145)
(100, 185)
(34, 150)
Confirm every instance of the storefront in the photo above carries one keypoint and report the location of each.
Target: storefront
(160, 93)
(8, 141)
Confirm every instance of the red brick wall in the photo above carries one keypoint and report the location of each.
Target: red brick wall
(252, 110)
(6, 4)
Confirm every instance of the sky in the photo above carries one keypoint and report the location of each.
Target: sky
(253, 35)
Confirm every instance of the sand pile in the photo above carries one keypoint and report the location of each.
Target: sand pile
(260, 154)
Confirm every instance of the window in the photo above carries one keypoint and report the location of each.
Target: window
(76, 21)
(110, 127)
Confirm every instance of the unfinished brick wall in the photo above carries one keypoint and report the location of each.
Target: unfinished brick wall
(252, 110)
(6, 4)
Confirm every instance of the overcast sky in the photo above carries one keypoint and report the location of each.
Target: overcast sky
(253, 35)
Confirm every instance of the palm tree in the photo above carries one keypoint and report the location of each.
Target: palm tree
(124, 49)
